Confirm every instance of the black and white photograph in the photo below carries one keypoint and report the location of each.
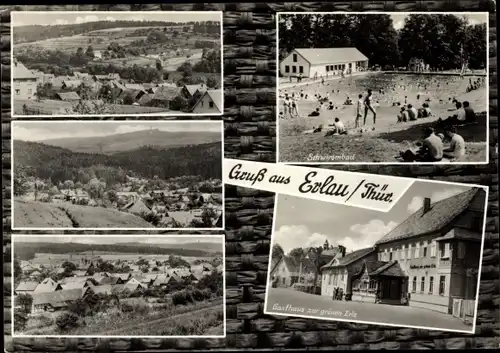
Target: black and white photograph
(102, 63)
(117, 175)
(114, 286)
(383, 87)
(415, 266)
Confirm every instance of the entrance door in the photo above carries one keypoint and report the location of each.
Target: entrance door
(391, 288)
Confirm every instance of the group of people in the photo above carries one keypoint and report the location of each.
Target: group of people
(463, 114)
(410, 113)
(476, 84)
(338, 293)
(432, 147)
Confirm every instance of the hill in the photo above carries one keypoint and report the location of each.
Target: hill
(133, 140)
(203, 246)
(27, 250)
(60, 164)
(46, 215)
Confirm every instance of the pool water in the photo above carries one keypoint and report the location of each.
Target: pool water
(387, 89)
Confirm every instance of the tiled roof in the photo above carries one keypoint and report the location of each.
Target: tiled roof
(193, 88)
(110, 280)
(68, 96)
(58, 296)
(316, 56)
(22, 72)
(166, 93)
(384, 268)
(27, 286)
(349, 258)
(440, 215)
(47, 285)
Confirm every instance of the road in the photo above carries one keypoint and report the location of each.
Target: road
(357, 311)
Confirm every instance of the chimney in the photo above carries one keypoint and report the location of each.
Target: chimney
(427, 204)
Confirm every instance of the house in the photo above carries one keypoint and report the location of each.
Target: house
(26, 287)
(123, 276)
(71, 84)
(130, 96)
(137, 207)
(25, 82)
(318, 62)
(87, 282)
(135, 281)
(339, 271)
(435, 246)
(48, 285)
(68, 96)
(53, 301)
(416, 65)
(193, 91)
(210, 102)
(164, 95)
(81, 75)
(43, 78)
(145, 99)
(166, 281)
(111, 281)
(289, 271)
(97, 54)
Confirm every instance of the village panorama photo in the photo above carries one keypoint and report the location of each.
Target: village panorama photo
(415, 266)
(75, 63)
(383, 88)
(117, 175)
(118, 286)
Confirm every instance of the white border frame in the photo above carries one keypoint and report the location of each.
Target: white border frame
(21, 122)
(166, 113)
(478, 284)
(223, 244)
(487, 109)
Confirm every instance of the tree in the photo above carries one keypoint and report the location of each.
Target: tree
(24, 301)
(18, 271)
(69, 184)
(277, 251)
(19, 186)
(90, 52)
(112, 196)
(212, 82)
(179, 103)
(297, 254)
(69, 266)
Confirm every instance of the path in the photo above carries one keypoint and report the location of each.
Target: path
(358, 311)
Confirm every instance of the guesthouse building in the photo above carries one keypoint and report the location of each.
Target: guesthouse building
(210, 102)
(25, 82)
(322, 62)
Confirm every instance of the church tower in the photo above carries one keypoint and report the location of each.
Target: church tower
(326, 245)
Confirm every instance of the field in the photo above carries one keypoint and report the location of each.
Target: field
(30, 214)
(146, 319)
(384, 142)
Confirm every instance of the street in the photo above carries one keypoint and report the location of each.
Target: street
(290, 302)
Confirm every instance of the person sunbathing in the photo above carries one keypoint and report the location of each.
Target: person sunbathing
(314, 113)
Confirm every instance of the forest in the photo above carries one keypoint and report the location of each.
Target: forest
(27, 251)
(33, 159)
(33, 33)
(442, 41)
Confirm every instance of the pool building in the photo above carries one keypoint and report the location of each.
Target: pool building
(431, 258)
(321, 62)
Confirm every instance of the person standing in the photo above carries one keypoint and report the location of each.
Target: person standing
(359, 108)
(368, 102)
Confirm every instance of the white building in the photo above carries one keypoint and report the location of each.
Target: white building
(318, 62)
(209, 103)
(97, 54)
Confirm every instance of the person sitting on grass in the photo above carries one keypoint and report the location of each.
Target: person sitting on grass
(403, 115)
(331, 106)
(348, 101)
(412, 112)
(431, 149)
(425, 111)
(339, 127)
(457, 118)
(314, 113)
(470, 115)
(456, 150)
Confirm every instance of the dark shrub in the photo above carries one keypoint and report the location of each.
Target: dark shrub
(67, 321)
(179, 298)
(198, 295)
(126, 308)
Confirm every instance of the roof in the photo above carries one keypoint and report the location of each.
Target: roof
(316, 56)
(193, 88)
(68, 96)
(145, 99)
(166, 93)
(47, 285)
(22, 72)
(383, 268)
(461, 234)
(134, 86)
(216, 97)
(110, 280)
(439, 216)
(74, 285)
(349, 258)
(72, 83)
(27, 286)
(293, 265)
(58, 297)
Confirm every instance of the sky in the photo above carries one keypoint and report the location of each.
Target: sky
(106, 239)
(38, 131)
(65, 18)
(302, 222)
(473, 18)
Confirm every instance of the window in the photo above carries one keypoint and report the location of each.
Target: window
(18, 91)
(425, 251)
(327, 68)
(417, 250)
(373, 284)
(301, 69)
(30, 91)
(201, 102)
(385, 255)
(330, 279)
(442, 284)
(431, 285)
(294, 69)
(461, 250)
(444, 250)
(409, 252)
(433, 248)
(283, 280)
(211, 104)
(403, 252)
(414, 286)
(422, 285)
(287, 68)
(294, 58)
(283, 270)
(390, 256)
